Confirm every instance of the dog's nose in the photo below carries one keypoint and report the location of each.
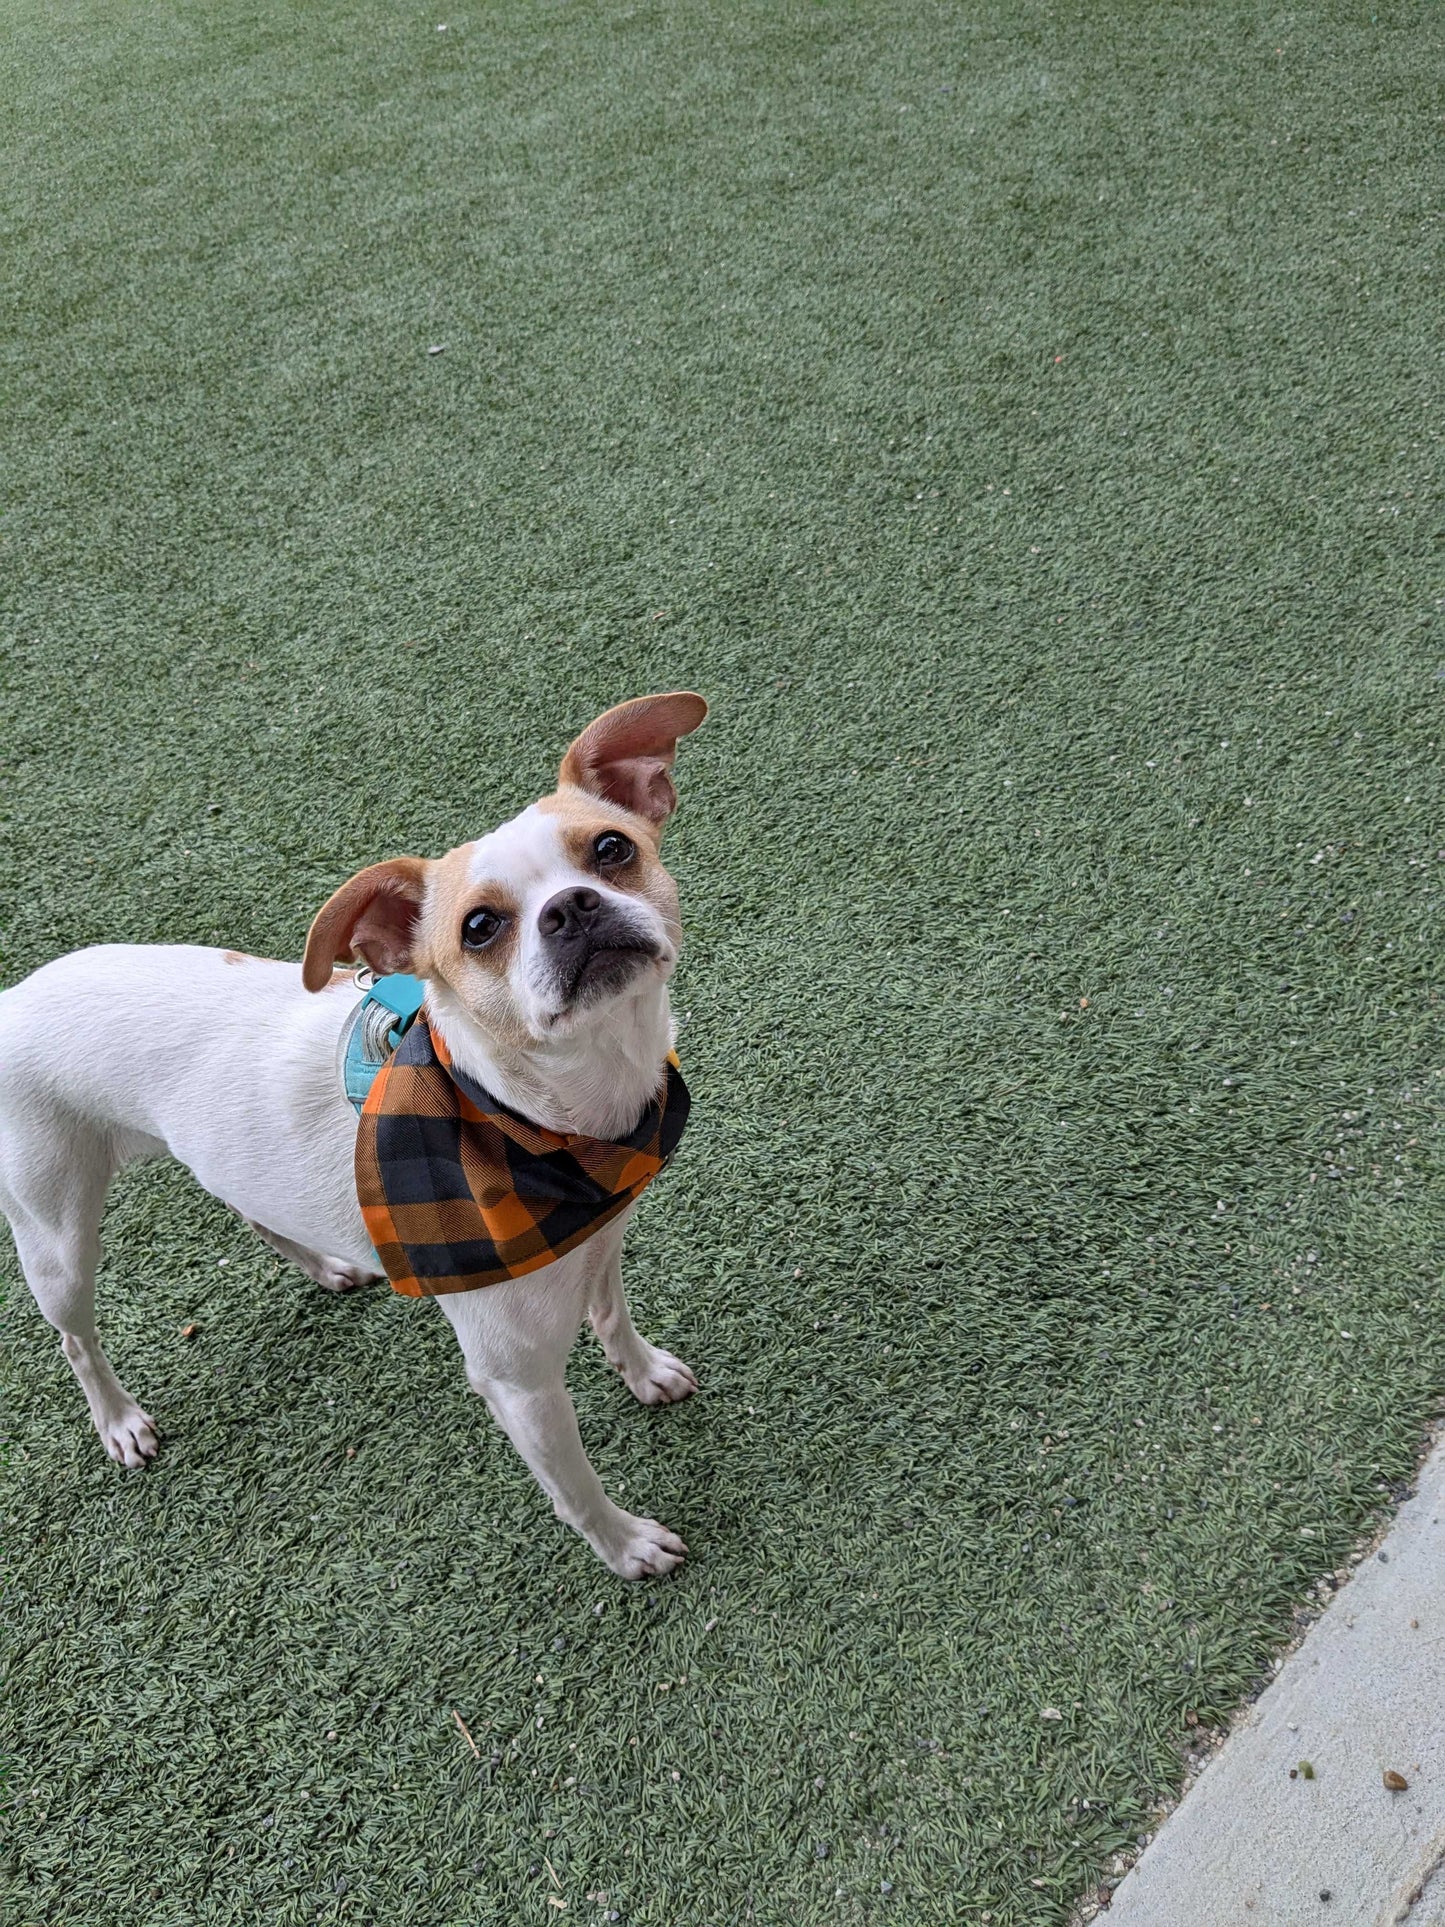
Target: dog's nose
(570, 913)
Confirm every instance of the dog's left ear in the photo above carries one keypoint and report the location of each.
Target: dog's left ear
(625, 756)
(372, 916)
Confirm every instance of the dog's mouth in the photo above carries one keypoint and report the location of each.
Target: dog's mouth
(608, 967)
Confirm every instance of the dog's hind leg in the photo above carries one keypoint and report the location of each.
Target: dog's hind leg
(52, 1189)
(332, 1274)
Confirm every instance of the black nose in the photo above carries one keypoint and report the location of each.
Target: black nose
(570, 914)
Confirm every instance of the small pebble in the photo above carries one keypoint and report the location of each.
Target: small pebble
(1383, 1557)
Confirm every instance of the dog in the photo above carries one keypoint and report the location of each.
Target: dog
(545, 949)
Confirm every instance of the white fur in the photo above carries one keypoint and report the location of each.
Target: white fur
(128, 1051)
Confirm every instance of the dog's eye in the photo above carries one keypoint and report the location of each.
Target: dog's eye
(480, 928)
(612, 850)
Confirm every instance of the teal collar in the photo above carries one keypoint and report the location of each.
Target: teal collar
(383, 1017)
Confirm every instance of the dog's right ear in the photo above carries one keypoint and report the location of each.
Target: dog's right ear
(374, 917)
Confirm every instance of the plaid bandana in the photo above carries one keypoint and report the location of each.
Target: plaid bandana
(459, 1192)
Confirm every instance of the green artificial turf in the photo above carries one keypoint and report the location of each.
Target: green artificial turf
(1017, 421)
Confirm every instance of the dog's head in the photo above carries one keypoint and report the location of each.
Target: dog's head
(539, 927)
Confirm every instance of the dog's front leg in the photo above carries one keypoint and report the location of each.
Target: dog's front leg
(542, 1424)
(515, 1338)
(653, 1376)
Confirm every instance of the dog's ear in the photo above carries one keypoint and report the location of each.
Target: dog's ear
(373, 916)
(626, 754)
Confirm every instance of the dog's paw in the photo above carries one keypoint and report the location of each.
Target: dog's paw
(129, 1436)
(640, 1548)
(332, 1275)
(657, 1378)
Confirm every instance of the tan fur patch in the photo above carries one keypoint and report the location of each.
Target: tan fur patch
(579, 810)
(480, 978)
(456, 898)
(582, 818)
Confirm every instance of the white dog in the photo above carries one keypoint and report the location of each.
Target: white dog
(546, 950)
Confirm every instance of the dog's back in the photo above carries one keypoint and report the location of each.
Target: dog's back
(113, 1036)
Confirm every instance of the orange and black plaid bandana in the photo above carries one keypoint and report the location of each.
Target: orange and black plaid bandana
(459, 1192)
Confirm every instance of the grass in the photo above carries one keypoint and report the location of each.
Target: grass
(1016, 421)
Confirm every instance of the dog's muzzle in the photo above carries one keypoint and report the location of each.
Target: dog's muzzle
(593, 948)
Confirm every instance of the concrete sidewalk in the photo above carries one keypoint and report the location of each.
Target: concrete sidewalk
(1363, 1695)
